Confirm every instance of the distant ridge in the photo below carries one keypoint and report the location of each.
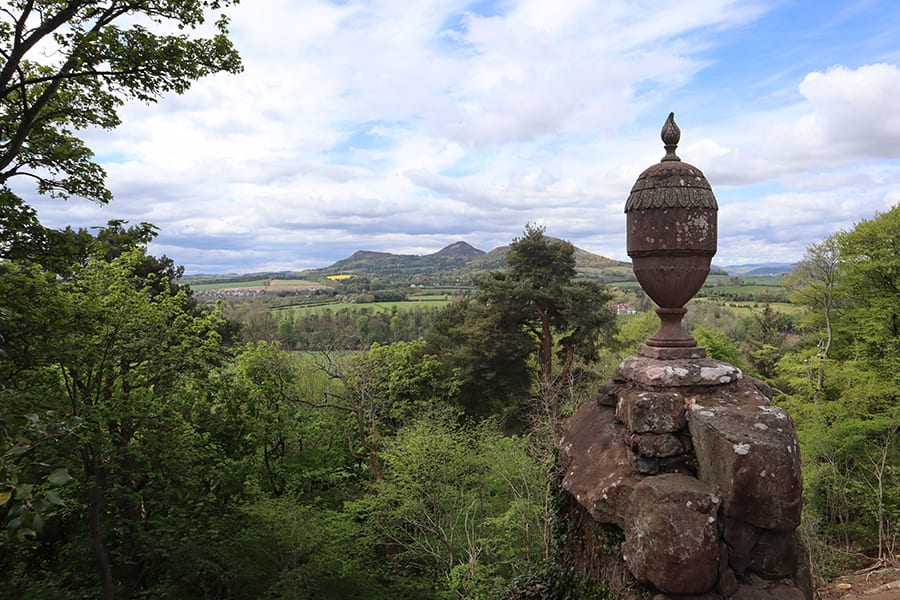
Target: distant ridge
(368, 255)
(459, 250)
(761, 269)
(455, 263)
(584, 260)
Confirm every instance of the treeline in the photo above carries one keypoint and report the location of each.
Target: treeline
(348, 328)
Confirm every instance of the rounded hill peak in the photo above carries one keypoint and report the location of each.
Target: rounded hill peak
(459, 250)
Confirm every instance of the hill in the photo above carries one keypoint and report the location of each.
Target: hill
(368, 254)
(399, 267)
(760, 269)
(459, 250)
(456, 263)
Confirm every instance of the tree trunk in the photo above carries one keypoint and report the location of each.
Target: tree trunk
(95, 504)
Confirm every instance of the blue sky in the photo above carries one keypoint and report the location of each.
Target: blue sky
(405, 126)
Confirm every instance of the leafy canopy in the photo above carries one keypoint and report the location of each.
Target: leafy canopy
(68, 66)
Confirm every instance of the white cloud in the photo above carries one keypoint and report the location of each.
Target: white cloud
(405, 126)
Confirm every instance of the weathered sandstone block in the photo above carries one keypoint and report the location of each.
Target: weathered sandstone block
(776, 554)
(651, 412)
(677, 373)
(751, 453)
(740, 538)
(657, 444)
(599, 465)
(672, 538)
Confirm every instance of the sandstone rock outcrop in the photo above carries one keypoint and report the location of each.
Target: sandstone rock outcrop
(702, 474)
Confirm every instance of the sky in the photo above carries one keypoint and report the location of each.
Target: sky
(404, 126)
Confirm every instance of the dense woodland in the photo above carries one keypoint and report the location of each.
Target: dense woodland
(153, 446)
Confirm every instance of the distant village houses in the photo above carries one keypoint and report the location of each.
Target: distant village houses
(625, 309)
(230, 292)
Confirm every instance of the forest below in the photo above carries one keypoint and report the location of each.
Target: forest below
(154, 448)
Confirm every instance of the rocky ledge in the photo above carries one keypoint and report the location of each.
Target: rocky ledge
(700, 471)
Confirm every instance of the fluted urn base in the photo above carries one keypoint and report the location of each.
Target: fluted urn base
(671, 341)
(671, 334)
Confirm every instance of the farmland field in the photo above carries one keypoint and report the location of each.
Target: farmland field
(268, 285)
(745, 309)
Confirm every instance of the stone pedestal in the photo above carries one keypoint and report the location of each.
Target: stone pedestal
(700, 471)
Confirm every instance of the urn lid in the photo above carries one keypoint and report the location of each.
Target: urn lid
(671, 183)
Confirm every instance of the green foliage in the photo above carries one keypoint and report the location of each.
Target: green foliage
(813, 285)
(764, 340)
(535, 312)
(404, 380)
(337, 326)
(103, 355)
(635, 330)
(458, 507)
(381, 389)
(718, 345)
(30, 491)
(870, 282)
(103, 55)
(22, 237)
(842, 385)
(485, 349)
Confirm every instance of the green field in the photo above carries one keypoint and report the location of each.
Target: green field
(625, 285)
(374, 307)
(267, 284)
(754, 289)
(745, 309)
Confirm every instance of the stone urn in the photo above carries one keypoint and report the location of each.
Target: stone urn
(671, 239)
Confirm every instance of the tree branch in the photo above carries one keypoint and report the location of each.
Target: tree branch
(324, 404)
(29, 116)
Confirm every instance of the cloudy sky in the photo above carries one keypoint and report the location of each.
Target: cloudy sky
(406, 125)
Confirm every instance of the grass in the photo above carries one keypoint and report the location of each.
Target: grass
(228, 285)
(746, 308)
(746, 289)
(270, 284)
(431, 297)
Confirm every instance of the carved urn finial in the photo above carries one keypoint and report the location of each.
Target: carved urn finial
(671, 238)
(671, 135)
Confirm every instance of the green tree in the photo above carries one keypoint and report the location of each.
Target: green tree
(269, 377)
(718, 345)
(105, 52)
(813, 284)
(635, 331)
(461, 508)
(534, 311)
(124, 347)
(128, 350)
(484, 348)
(870, 283)
(842, 385)
(382, 389)
(764, 340)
